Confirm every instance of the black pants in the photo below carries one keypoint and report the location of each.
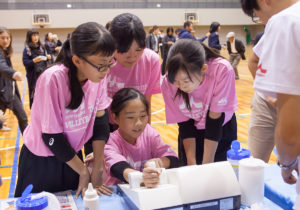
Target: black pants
(229, 135)
(18, 110)
(44, 173)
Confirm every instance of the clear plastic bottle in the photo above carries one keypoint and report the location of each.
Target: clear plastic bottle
(235, 154)
(91, 199)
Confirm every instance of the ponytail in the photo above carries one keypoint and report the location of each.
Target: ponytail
(65, 57)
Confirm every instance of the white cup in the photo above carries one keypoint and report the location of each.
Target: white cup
(251, 178)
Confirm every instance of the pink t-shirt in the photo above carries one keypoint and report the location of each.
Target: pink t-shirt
(144, 76)
(149, 145)
(216, 93)
(50, 115)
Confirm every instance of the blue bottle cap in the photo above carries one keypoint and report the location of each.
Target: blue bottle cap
(236, 152)
(26, 203)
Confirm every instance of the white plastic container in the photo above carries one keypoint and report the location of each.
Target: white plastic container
(251, 178)
(135, 179)
(91, 199)
(235, 154)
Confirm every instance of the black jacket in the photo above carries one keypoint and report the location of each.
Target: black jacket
(239, 46)
(8, 86)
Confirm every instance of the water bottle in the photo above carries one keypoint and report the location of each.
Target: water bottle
(235, 154)
(91, 199)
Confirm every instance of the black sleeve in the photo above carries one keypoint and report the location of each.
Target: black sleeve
(174, 161)
(187, 129)
(118, 168)
(100, 132)
(101, 128)
(59, 146)
(5, 69)
(214, 127)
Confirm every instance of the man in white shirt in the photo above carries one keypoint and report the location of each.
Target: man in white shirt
(278, 75)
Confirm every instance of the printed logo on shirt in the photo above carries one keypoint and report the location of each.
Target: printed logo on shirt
(260, 71)
(192, 103)
(222, 102)
(51, 141)
(198, 111)
(79, 118)
(113, 86)
(137, 165)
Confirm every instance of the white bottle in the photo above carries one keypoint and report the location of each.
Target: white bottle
(91, 199)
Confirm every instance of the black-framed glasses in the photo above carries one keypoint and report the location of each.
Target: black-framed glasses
(255, 18)
(101, 67)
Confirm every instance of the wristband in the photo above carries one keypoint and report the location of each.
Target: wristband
(288, 167)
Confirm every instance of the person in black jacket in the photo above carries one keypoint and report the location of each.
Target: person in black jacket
(236, 50)
(9, 93)
(34, 59)
(168, 40)
(152, 39)
(213, 40)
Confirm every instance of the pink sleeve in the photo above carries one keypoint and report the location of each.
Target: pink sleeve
(159, 148)
(102, 96)
(224, 97)
(47, 97)
(173, 113)
(112, 154)
(154, 80)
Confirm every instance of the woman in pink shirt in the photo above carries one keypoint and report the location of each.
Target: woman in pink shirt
(69, 109)
(138, 67)
(199, 93)
(135, 143)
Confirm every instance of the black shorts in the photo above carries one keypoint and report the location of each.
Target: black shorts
(44, 173)
(229, 134)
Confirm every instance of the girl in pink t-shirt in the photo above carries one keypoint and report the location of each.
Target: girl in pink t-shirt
(137, 67)
(135, 143)
(68, 110)
(199, 93)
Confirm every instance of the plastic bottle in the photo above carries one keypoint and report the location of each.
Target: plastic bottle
(91, 199)
(235, 154)
(37, 201)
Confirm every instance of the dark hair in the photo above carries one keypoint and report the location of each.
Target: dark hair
(8, 52)
(107, 25)
(155, 27)
(187, 55)
(123, 96)
(177, 30)
(126, 28)
(248, 6)
(29, 34)
(47, 37)
(170, 29)
(88, 39)
(187, 24)
(214, 27)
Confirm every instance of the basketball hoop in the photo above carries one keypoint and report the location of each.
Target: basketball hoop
(40, 20)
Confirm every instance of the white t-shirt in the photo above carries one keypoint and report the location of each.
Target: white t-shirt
(279, 64)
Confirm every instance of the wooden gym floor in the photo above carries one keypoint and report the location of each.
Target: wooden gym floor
(11, 141)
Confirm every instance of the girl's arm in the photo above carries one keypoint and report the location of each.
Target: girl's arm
(213, 134)
(187, 133)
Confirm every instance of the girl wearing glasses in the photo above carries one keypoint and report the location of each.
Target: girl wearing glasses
(136, 66)
(199, 93)
(69, 109)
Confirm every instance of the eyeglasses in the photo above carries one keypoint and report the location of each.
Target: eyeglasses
(101, 67)
(255, 19)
